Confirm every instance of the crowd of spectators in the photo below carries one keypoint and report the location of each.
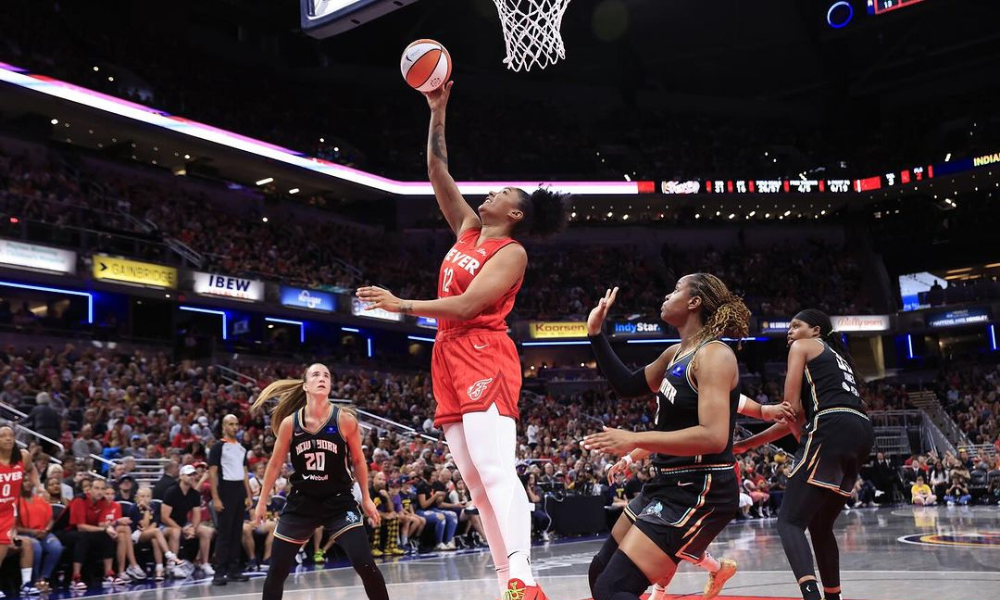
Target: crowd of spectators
(314, 251)
(109, 410)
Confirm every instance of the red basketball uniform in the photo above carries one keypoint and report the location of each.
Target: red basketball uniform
(10, 490)
(475, 363)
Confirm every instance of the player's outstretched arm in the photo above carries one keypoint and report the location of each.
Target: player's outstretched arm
(456, 210)
(497, 276)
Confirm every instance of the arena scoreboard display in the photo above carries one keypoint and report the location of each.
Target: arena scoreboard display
(326, 18)
(877, 7)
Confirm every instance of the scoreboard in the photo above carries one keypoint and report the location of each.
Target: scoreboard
(877, 7)
(324, 18)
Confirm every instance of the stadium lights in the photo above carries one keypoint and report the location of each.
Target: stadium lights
(225, 335)
(993, 336)
(417, 338)
(265, 181)
(369, 347)
(215, 135)
(302, 326)
(350, 330)
(55, 121)
(40, 288)
(293, 191)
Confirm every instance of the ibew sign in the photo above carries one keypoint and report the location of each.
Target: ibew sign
(228, 286)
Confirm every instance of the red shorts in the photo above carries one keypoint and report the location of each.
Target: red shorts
(470, 371)
(6, 524)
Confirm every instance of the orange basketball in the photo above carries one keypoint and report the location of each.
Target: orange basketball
(426, 65)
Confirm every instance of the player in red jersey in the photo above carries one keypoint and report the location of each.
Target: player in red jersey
(475, 368)
(14, 465)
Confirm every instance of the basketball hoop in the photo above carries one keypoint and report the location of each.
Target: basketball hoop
(531, 32)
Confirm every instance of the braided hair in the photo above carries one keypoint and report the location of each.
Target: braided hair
(723, 313)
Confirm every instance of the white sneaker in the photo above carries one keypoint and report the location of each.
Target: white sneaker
(207, 569)
(29, 590)
(440, 547)
(135, 572)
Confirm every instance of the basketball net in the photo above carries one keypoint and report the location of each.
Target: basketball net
(531, 32)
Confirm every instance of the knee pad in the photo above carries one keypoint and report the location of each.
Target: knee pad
(621, 575)
(600, 561)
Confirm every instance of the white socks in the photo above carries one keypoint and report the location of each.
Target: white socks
(709, 563)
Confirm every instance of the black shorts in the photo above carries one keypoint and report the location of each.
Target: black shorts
(302, 515)
(831, 455)
(683, 512)
(635, 506)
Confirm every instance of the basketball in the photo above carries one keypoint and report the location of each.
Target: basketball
(426, 65)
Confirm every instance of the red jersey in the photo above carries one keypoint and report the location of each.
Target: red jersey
(10, 484)
(84, 511)
(459, 267)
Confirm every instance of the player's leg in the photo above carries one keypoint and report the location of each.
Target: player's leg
(455, 435)
(355, 545)
(795, 516)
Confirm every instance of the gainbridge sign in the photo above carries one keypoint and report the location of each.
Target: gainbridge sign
(133, 271)
(548, 330)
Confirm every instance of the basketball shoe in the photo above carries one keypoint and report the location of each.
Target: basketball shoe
(516, 590)
(727, 568)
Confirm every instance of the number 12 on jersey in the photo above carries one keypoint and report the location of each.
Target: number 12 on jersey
(449, 275)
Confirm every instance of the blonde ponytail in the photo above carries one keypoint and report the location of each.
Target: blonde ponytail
(291, 397)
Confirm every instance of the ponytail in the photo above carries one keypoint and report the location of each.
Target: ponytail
(291, 397)
(832, 337)
(724, 314)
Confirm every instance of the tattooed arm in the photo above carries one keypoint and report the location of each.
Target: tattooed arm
(456, 210)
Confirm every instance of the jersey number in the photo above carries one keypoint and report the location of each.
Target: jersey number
(6, 491)
(850, 383)
(316, 461)
(449, 274)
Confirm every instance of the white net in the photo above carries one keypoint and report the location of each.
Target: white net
(531, 32)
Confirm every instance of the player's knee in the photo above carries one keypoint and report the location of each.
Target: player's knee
(600, 561)
(620, 575)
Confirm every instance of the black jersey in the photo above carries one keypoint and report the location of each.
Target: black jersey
(828, 382)
(319, 459)
(677, 408)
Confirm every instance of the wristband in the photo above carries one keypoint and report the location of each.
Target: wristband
(628, 459)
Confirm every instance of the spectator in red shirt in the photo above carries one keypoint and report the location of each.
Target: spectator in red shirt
(93, 521)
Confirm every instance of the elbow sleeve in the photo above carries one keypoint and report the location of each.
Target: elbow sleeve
(627, 384)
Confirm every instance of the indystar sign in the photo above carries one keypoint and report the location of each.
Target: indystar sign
(213, 284)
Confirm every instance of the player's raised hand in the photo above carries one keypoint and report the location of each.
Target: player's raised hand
(438, 99)
(611, 441)
(596, 319)
(376, 297)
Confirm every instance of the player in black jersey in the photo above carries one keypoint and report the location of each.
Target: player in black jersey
(694, 493)
(321, 438)
(836, 439)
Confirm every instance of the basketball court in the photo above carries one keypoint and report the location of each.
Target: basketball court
(934, 553)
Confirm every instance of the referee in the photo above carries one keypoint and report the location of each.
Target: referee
(227, 462)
